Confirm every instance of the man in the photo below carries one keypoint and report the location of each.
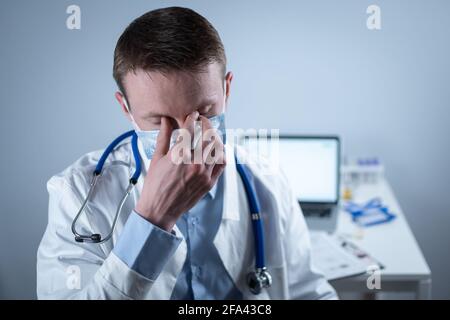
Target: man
(185, 232)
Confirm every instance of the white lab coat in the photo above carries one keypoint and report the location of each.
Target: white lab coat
(67, 269)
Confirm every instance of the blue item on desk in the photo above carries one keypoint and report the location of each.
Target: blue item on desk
(371, 213)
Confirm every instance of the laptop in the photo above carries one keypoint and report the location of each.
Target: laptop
(311, 164)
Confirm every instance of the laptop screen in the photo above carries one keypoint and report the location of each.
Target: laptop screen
(312, 166)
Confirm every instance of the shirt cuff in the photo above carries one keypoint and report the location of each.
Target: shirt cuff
(144, 247)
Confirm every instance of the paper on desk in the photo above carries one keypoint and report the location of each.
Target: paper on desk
(335, 262)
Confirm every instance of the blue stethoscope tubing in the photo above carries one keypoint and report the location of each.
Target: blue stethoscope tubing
(96, 237)
(256, 280)
(255, 212)
(260, 278)
(107, 152)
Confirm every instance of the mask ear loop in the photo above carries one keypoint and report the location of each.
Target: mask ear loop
(125, 102)
(198, 129)
(224, 94)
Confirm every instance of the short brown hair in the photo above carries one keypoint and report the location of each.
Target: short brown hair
(167, 39)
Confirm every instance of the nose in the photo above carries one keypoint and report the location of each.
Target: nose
(178, 121)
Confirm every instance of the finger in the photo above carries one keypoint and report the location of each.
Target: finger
(209, 134)
(217, 171)
(181, 151)
(220, 165)
(213, 154)
(163, 140)
(189, 124)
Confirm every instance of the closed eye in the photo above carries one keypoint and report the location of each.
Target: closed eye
(153, 120)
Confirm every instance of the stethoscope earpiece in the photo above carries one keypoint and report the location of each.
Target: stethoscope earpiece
(96, 237)
(93, 238)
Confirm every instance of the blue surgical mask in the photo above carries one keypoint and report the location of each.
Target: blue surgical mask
(148, 138)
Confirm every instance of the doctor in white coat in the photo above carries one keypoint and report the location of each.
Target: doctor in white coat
(185, 231)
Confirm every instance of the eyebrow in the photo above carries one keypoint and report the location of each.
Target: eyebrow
(207, 101)
(152, 115)
(204, 102)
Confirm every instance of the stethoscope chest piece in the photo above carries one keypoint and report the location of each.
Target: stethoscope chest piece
(258, 280)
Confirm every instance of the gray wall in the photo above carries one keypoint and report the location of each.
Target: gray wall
(301, 66)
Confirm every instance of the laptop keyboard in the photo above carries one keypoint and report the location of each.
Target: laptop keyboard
(317, 212)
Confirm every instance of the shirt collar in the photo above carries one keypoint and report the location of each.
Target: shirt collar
(212, 193)
(231, 187)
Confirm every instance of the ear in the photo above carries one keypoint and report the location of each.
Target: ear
(121, 99)
(228, 79)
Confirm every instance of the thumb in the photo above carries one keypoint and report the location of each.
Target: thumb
(163, 140)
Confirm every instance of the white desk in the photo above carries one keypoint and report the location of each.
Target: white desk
(393, 244)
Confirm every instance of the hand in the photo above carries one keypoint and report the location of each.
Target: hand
(171, 189)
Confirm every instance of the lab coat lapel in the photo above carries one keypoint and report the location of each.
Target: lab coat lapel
(234, 241)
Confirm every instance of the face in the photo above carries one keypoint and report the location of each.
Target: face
(153, 95)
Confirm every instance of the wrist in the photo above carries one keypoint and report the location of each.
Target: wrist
(155, 219)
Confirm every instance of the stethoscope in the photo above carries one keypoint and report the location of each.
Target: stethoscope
(257, 280)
